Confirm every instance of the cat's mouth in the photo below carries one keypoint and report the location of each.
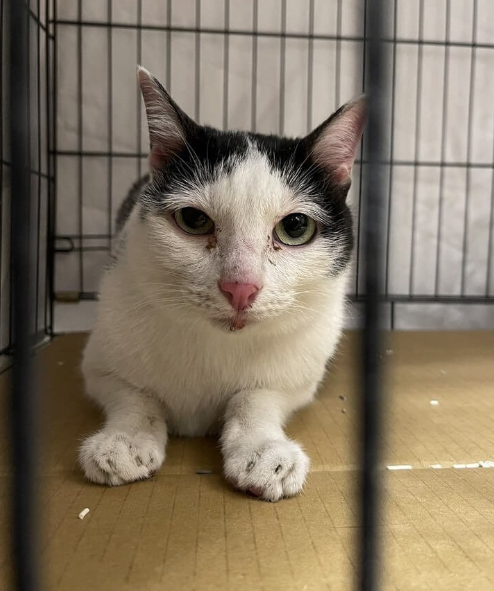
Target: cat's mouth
(234, 324)
(238, 323)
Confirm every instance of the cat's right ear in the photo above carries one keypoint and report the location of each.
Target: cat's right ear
(168, 125)
(333, 145)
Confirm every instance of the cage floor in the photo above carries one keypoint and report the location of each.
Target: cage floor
(186, 531)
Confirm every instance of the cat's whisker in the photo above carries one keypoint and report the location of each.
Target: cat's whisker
(302, 308)
(171, 286)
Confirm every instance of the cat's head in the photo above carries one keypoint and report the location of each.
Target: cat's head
(245, 226)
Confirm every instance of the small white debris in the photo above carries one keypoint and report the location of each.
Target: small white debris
(486, 464)
(61, 362)
(83, 513)
(204, 471)
(475, 465)
(399, 467)
(434, 402)
(443, 372)
(343, 410)
(436, 466)
(459, 466)
(389, 352)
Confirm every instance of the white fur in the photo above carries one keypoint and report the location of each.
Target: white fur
(161, 356)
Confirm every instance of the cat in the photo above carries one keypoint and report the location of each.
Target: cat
(224, 298)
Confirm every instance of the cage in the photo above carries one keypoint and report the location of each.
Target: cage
(278, 66)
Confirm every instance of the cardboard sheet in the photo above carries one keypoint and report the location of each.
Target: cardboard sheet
(186, 531)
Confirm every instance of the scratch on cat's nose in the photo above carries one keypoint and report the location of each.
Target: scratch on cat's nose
(240, 295)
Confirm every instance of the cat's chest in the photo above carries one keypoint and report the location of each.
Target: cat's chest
(200, 368)
(203, 365)
(195, 372)
(196, 377)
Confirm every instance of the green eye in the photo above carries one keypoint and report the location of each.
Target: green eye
(194, 221)
(296, 229)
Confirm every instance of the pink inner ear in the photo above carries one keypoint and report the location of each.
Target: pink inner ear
(335, 151)
(336, 147)
(157, 158)
(341, 173)
(164, 144)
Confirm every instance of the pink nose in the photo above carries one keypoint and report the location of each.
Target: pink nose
(240, 295)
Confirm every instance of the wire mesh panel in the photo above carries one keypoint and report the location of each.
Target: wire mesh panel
(267, 66)
(38, 14)
(282, 66)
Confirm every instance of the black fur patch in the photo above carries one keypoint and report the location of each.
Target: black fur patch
(206, 153)
(130, 200)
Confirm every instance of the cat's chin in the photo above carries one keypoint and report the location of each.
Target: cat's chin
(232, 324)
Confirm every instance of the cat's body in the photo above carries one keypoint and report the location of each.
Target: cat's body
(226, 331)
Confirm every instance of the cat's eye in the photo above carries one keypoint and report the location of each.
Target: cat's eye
(194, 221)
(295, 229)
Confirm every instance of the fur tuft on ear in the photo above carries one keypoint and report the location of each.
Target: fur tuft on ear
(334, 143)
(168, 124)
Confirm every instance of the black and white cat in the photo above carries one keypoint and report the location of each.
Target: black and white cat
(225, 296)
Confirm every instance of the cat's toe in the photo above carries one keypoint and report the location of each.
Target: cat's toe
(271, 471)
(119, 458)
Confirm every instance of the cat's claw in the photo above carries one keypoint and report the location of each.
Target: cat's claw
(119, 458)
(271, 470)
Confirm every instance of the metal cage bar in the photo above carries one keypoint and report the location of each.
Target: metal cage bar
(24, 304)
(373, 237)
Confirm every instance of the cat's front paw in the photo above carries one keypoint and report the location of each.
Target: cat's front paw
(119, 458)
(271, 470)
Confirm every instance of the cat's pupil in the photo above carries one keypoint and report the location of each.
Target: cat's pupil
(295, 225)
(194, 218)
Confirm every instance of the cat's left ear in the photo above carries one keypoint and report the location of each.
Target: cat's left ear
(168, 125)
(334, 143)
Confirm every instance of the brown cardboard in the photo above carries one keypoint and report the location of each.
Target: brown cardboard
(186, 531)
